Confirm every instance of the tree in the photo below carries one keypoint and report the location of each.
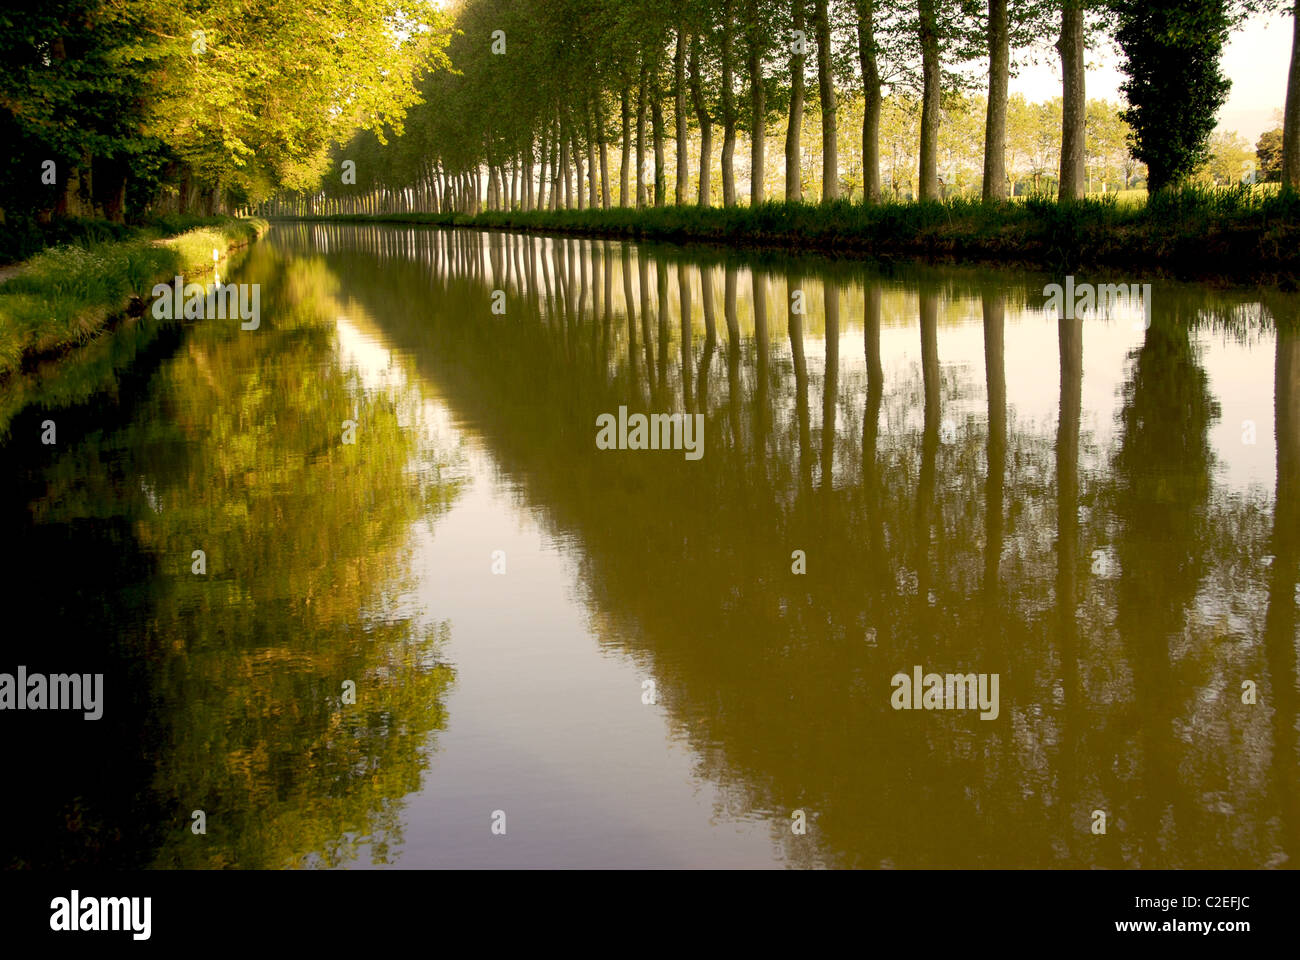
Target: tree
(1230, 156)
(1106, 140)
(657, 131)
(1044, 140)
(939, 28)
(210, 98)
(1170, 54)
(1070, 45)
(757, 32)
(826, 93)
(869, 63)
(928, 34)
(729, 113)
(1021, 138)
(1009, 25)
(1268, 153)
(961, 145)
(900, 123)
(703, 118)
(995, 128)
(679, 112)
(798, 51)
(272, 91)
(64, 98)
(1291, 115)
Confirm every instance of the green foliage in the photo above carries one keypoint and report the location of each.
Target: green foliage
(1268, 152)
(1171, 51)
(150, 101)
(65, 93)
(1229, 160)
(275, 88)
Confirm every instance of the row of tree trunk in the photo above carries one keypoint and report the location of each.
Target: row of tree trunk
(568, 150)
(559, 144)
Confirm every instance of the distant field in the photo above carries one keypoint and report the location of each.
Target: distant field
(1131, 196)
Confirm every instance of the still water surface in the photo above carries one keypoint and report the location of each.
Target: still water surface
(1102, 514)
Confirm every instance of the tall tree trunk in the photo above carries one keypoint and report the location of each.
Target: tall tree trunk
(115, 203)
(728, 111)
(757, 106)
(184, 198)
(604, 151)
(642, 92)
(627, 146)
(591, 157)
(871, 101)
(657, 135)
(526, 167)
(928, 185)
(799, 47)
(706, 124)
(541, 170)
(556, 137)
(1073, 104)
(995, 125)
(826, 86)
(564, 164)
(1291, 116)
(679, 115)
(579, 200)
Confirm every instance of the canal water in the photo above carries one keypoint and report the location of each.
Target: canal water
(434, 624)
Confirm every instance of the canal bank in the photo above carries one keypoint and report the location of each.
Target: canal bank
(66, 296)
(1219, 237)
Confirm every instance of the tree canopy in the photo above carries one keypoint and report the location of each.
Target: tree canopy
(170, 103)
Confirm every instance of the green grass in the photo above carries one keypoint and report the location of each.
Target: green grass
(1131, 197)
(1195, 232)
(64, 296)
(24, 237)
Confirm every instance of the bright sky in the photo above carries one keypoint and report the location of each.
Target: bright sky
(1256, 60)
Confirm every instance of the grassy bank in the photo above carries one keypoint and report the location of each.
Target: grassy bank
(66, 295)
(24, 237)
(1195, 234)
